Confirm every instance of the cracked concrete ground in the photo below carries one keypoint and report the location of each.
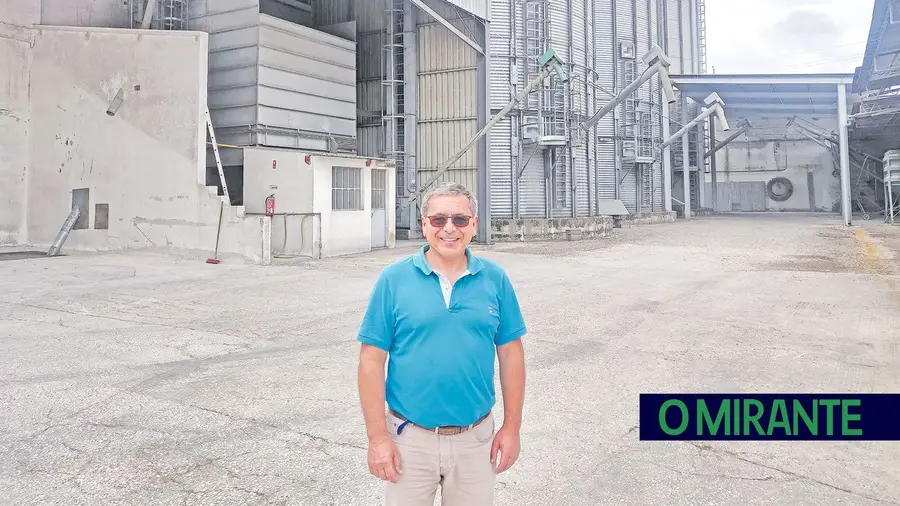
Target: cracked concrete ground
(141, 379)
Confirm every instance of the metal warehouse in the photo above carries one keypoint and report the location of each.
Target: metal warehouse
(267, 128)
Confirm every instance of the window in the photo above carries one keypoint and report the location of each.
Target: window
(379, 189)
(346, 189)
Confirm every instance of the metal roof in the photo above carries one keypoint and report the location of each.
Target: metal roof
(479, 8)
(748, 95)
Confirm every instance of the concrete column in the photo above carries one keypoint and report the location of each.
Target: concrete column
(666, 156)
(483, 87)
(685, 162)
(845, 154)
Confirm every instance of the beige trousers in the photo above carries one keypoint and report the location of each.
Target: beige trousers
(460, 465)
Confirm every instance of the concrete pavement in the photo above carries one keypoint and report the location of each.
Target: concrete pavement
(143, 379)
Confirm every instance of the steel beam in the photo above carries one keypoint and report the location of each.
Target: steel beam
(482, 89)
(407, 181)
(148, 14)
(440, 19)
(727, 141)
(685, 159)
(844, 154)
(659, 64)
(666, 160)
(714, 187)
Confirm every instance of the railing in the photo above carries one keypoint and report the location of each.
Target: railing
(295, 235)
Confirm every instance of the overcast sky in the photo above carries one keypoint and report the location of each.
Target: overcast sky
(786, 36)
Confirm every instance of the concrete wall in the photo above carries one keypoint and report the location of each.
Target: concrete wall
(15, 121)
(85, 13)
(140, 174)
(767, 151)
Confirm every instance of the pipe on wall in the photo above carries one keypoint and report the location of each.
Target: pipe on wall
(617, 162)
(571, 64)
(588, 55)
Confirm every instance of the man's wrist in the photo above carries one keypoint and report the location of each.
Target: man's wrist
(513, 423)
(376, 436)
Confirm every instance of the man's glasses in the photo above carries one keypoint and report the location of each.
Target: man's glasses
(459, 220)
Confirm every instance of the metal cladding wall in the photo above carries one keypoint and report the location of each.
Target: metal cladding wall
(584, 33)
(275, 80)
(448, 98)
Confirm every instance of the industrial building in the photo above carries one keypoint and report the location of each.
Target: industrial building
(375, 86)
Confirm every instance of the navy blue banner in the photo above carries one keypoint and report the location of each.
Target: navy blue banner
(776, 417)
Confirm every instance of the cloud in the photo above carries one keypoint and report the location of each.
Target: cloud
(775, 36)
(805, 30)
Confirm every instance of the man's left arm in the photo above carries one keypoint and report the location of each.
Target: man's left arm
(511, 355)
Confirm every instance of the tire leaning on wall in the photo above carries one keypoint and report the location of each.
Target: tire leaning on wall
(779, 189)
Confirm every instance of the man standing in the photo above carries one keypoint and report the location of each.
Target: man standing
(438, 317)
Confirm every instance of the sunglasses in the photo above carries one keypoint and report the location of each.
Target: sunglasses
(459, 220)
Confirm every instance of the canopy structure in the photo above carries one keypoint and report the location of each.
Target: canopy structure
(748, 96)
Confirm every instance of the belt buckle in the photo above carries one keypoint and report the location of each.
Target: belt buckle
(449, 430)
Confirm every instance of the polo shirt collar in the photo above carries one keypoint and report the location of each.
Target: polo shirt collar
(474, 263)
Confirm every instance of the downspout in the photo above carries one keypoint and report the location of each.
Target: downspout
(571, 112)
(652, 105)
(588, 54)
(594, 96)
(681, 36)
(638, 191)
(515, 119)
(617, 151)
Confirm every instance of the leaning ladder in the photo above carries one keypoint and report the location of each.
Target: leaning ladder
(215, 146)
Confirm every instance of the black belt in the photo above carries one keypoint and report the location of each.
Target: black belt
(444, 430)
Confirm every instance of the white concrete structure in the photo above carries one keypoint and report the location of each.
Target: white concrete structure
(325, 204)
(139, 175)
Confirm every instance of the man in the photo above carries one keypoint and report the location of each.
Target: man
(441, 315)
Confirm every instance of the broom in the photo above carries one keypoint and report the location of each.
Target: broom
(214, 259)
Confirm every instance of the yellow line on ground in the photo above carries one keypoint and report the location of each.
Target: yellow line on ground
(874, 263)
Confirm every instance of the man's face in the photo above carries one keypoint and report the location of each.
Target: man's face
(444, 236)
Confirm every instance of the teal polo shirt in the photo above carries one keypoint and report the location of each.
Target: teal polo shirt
(441, 359)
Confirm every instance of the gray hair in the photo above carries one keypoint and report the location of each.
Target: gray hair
(452, 189)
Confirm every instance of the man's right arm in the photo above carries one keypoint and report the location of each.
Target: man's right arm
(376, 334)
(371, 391)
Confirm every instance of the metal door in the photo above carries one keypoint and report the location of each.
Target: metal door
(379, 208)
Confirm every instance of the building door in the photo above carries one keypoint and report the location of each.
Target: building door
(379, 208)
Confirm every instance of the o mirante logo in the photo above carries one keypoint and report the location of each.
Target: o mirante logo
(869, 417)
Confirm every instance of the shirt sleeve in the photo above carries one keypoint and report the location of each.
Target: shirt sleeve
(512, 323)
(377, 327)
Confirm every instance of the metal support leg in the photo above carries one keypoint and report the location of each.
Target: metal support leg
(482, 77)
(845, 154)
(712, 165)
(666, 159)
(685, 160)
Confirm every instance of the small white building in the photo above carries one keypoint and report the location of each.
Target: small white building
(325, 204)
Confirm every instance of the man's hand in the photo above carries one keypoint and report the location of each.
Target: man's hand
(512, 381)
(507, 442)
(384, 459)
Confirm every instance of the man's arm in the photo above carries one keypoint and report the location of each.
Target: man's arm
(512, 376)
(376, 334)
(383, 457)
(371, 390)
(512, 382)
